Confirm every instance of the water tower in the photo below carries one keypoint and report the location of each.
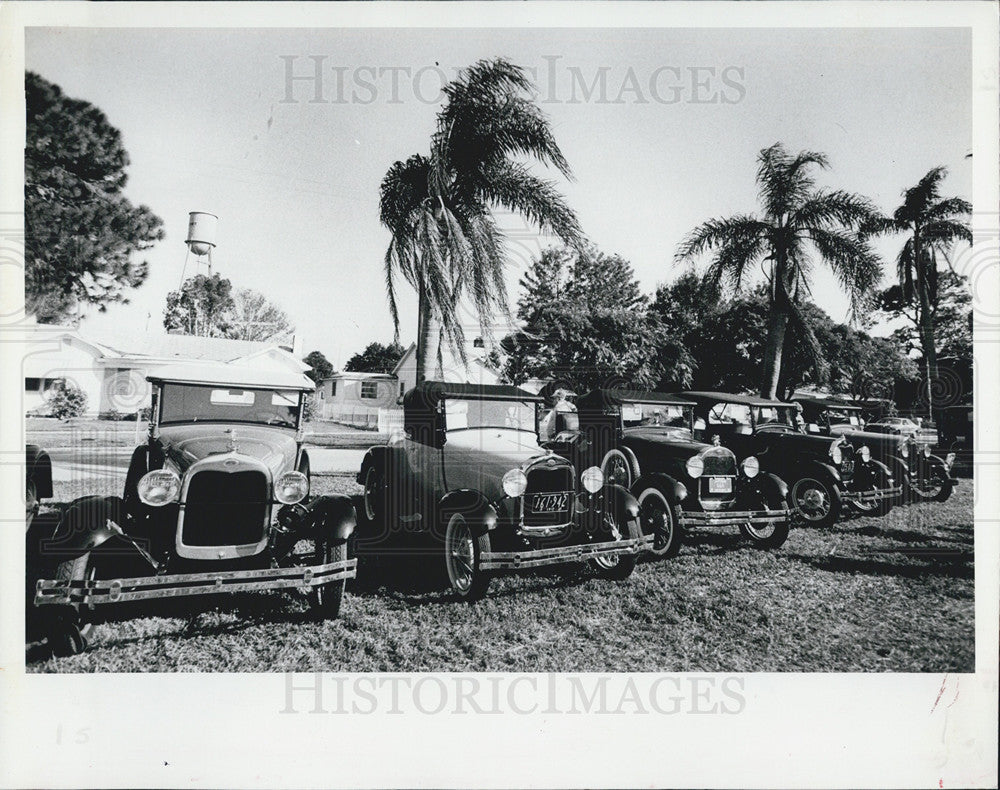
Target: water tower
(200, 239)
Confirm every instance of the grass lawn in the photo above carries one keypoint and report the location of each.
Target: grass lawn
(893, 594)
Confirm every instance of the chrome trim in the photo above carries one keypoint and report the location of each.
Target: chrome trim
(872, 496)
(141, 588)
(732, 517)
(227, 552)
(547, 529)
(533, 558)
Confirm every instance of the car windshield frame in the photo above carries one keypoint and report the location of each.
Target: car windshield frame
(687, 410)
(527, 408)
(267, 406)
(845, 417)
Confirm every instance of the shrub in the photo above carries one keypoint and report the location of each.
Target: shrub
(308, 407)
(66, 400)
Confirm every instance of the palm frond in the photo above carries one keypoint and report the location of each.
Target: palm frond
(856, 266)
(827, 209)
(716, 233)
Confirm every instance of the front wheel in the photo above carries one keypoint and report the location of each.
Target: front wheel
(325, 599)
(815, 501)
(934, 486)
(662, 520)
(618, 567)
(617, 469)
(770, 535)
(374, 496)
(70, 626)
(462, 558)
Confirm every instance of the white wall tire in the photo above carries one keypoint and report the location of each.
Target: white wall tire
(660, 519)
(462, 552)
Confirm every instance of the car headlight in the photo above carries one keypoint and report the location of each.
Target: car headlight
(695, 466)
(514, 483)
(927, 451)
(592, 479)
(865, 453)
(291, 488)
(159, 487)
(835, 454)
(949, 459)
(904, 450)
(751, 466)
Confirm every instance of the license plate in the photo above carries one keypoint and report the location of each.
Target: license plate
(720, 485)
(549, 503)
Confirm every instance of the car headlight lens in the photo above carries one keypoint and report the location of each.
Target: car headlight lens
(927, 451)
(514, 483)
(904, 450)
(751, 466)
(159, 487)
(592, 479)
(865, 453)
(291, 488)
(695, 466)
(835, 454)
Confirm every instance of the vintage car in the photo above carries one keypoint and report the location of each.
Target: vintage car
(823, 473)
(922, 432)
(956, 437)
(215, 501)
(644, 441)
(37, 480)
(468, 479)
(922, 475)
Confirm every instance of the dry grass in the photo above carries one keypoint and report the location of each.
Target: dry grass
(872, 595)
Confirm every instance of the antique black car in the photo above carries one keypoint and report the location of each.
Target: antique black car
(468, 478)
(644, 441)
(823, 473)
(215, 501)
(922, 475)
(956, 436)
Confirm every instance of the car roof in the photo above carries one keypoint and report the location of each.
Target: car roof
(616, 397)
(826, 403)
(430, 393)
(232, 376)
(728, 397)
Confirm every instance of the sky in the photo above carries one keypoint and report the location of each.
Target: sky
(661, 128)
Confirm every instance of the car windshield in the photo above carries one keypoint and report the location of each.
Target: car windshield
(730, 414)
(662, 415)
(181, 403)
(843, 417)
(460, 415)
(774, 415)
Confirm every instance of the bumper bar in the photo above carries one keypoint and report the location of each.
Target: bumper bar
(533, 558)
(872, 496)
(100, 591)
(732, 518)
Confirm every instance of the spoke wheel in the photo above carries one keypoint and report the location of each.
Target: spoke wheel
(769, 535)
(616, 469)
(661, 520)
(462, 551)
(325, 599)
(617, 567)
(815, 502)
(71, 625)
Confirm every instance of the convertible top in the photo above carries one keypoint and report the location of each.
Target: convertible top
(728, 397)
(232, 376)
(615, 397)
(430, 393)
(826, 403)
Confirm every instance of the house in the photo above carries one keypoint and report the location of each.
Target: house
(112, 370)
(370, 398)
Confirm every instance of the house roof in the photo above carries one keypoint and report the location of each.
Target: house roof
(231, 375)
(728, 397)
(616, 397)
(361, 375)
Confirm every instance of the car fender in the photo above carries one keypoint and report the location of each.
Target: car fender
(827, 472)
(38, 467)
(876, 471)
(675, 491)
(88, 523)
(374, 457)
(626, 506)
(765, 483)
(632, 459)
(899, 468)
(333, 516)
(479, 513)
(303, 461)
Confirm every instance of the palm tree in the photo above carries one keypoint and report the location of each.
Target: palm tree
(797, 219)
(439, 209)
(933, 225)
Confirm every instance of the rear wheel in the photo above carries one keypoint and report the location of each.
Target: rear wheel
(815, 501)
(662, 520)
(374, 496)
(462, 558)
(71, 625)
(618, 567)
(325, 599)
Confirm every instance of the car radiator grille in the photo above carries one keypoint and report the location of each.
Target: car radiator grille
(719, 462)
(225, 508)
(557, 481)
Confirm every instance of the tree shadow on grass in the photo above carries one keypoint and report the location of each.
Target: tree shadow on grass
(945, 563)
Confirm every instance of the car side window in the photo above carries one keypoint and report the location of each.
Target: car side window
(729, 414)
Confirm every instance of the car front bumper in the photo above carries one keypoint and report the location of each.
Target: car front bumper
(872, 495)
(534, 558)
(732, 518)
(140, 588)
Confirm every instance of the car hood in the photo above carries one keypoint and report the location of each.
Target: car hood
(479, 459)
(797, 442)
(183, 445)
(878, 442)
(653, 441)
